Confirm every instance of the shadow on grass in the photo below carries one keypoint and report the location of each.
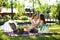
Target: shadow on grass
(4, 36)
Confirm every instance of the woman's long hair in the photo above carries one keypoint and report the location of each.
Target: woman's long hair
(42, 18)
(34, 16)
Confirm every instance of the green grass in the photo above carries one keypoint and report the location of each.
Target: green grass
(55, 28)
(22, 21)
(4, 36)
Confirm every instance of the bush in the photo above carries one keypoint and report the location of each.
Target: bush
(2, 20)
(24, 18)
(7, 17)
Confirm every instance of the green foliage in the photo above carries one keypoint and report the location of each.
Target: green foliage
(2, 20)
(16, 17)
(20, 9)
(7, 18)
(24, 18)
(5, 3)
(54, 11)
(16, 4)
(58, 11)
(1, 1)
(43, 8)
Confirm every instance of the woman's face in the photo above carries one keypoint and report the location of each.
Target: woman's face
(36, 17)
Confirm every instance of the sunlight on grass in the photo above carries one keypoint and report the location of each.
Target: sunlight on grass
(18, 20)
(21, 20)
(4, 36)
(54, 28)
(33, 37)
(47, 36)
(56, 36)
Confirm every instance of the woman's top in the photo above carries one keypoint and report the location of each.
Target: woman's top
(34, 23)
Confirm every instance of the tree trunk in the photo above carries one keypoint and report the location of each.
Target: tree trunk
(0, 9)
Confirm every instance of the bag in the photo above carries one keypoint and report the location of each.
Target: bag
(44, 28)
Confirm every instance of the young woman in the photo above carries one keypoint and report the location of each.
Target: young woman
(42, 21)
(34, 22)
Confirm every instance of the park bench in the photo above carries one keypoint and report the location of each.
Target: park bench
(51, 21)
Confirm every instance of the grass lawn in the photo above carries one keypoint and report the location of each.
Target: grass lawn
(22, 21)
(54, 28)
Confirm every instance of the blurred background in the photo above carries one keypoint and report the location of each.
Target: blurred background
(21, 10)
(14, 9)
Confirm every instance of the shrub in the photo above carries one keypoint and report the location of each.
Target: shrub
(2, 20)
(24, 18)
(6, 18)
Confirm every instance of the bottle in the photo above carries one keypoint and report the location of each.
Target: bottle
(39, 30)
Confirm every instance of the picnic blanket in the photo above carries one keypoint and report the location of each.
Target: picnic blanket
(31, 34)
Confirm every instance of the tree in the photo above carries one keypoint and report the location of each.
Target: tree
(42, 8)
(54, 11)
(16, 4)
(5, 3)
(20, 9)
(58, 12)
